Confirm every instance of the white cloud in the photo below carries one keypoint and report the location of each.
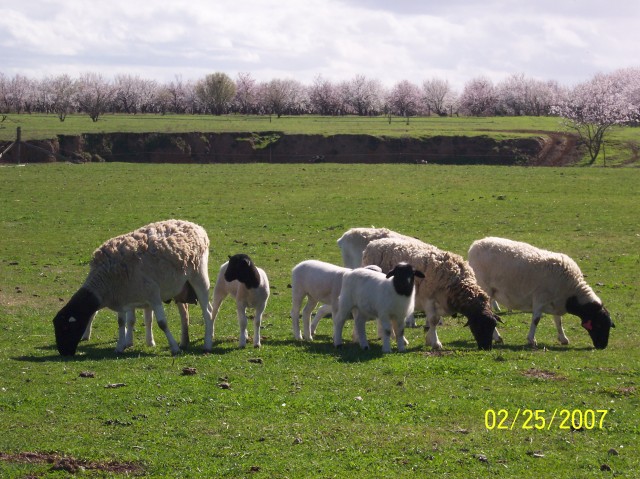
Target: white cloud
(391, 41)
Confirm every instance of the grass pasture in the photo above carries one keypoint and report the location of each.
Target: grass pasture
(305, 409)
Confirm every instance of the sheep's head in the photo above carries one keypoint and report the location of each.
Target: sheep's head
(595, 319)
(71, 321)
(241, 268)
(482, 326)
(403, 278)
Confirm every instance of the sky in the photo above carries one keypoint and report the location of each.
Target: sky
(568, 41)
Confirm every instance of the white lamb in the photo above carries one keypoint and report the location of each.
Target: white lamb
(143, 268)
(249, 287)
(319, 282)
(387, 297)
(353, 242)
(449, 286)
(527, 278)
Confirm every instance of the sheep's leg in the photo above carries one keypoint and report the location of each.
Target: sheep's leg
(306, 318)
(496, 336)
(338, 325)
(398, 331)
(561, 336)
(359, 329)
(130, 323)
(531, 337)
(257, 322)
(183, 310)
(410, 321)
(386, 334)
(296, 304)
(325, 310)
(495, 306)
(87, 332)
(433, 319)
(242, 321)
(218, 297)
(161, 319)
(122, 326)
(148, 327)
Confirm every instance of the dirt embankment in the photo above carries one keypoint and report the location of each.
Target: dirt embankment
(273, 147)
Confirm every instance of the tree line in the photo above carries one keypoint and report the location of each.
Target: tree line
(591, 107)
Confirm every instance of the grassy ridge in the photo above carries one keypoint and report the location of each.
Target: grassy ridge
(308, 410)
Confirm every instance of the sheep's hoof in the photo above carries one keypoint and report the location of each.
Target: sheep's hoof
(257, 346)
(499, 341)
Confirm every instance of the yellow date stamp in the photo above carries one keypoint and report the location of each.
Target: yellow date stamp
(543, 419)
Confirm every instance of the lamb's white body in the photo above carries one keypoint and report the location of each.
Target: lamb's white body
(137, 270)
(374, 296)
(319, 282)
(449, 285)
(523, 277)
(353, 242)
(244, 297)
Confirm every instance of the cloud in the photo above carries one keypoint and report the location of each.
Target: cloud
(456, 40)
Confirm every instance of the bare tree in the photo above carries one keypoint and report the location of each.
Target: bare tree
(438, 96)
(246, 100)
(62, 91)
(94, 95)
(216, 92)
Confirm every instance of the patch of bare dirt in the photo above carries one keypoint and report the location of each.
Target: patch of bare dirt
(70, 464)
(543, 374)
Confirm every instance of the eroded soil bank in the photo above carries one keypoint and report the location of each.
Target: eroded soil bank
(274, 147)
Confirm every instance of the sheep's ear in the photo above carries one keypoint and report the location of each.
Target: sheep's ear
(498, 319)
(418, 274)
(391, 273)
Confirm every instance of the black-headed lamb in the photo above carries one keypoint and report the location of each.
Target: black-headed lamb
(152, 264)
(249, 287)
(449, 286)
(389, 298)
(523, 277)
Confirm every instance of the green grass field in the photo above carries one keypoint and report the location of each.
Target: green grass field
(308, 410)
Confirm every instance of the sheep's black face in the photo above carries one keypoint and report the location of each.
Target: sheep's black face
(403, 278)
(595, 319)
(598, 326)
(71, 321)
(482, 327)
(241, 268)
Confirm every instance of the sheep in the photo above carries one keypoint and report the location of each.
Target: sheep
(389, 298)
(353, 242)
(449, 286)
(145, 267)
(249, 286)
(318, 282)
(527, 278)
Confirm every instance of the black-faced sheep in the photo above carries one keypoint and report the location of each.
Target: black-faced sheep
(143, 268)
(449, 286)
(249, 287)
(387, 297)
(526, 278)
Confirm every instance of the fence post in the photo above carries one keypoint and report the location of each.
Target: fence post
(18, 144)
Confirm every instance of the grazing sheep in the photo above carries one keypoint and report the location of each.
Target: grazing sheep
(249, 286)
(523, 277)
(143, 268)
(449, 286)
(319, 282)
(387, 297)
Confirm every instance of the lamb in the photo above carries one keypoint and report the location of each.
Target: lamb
(145, 267)
(353, 242)
(527, 278)
(318, 282)
(249, 286)
(389, 298)
(449, 286)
